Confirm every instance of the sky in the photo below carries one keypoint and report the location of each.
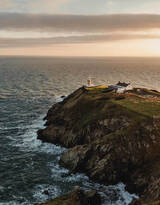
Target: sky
(80, 27)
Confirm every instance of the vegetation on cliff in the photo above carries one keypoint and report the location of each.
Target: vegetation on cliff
(112, 137)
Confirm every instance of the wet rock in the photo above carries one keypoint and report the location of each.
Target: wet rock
(76, 197)
(46, 192)
(74, 159)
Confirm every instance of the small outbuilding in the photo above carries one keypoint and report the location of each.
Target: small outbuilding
(121, 87)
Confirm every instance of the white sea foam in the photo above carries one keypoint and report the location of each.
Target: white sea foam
(59, 99)
(16, 203)
(115, 194)
(29, 141)
(62, 174)
(112, 195)
(40, 195)
(77, 178)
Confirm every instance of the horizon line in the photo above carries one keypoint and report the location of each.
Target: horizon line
(58, 56)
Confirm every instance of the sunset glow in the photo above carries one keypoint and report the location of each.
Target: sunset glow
(97, 28)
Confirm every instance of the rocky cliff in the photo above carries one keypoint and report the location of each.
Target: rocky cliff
(112, 137)
(76, 197)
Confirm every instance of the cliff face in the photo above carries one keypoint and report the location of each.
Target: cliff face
(112, 137)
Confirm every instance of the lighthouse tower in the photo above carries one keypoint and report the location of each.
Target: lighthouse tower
(89, 82)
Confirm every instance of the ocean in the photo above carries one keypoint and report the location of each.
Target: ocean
(29, 86)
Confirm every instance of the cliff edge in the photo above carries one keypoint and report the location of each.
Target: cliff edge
(112, 137)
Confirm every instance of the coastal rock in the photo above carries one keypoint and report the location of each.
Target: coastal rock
(76, 197)
(112, 137)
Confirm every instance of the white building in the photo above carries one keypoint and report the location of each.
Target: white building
(122, 87)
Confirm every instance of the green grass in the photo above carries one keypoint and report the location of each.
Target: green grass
(95, 104)
(142, 107)
(94, 88)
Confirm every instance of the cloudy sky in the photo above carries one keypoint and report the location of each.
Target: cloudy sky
(80, 27)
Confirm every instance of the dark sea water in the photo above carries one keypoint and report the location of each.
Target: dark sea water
(28, 87)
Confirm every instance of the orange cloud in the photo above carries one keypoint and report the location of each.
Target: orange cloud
(129, 48)
(84, 39)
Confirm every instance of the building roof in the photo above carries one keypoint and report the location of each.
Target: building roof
(122, 84)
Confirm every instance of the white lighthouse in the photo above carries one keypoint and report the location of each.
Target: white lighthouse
(89, 82)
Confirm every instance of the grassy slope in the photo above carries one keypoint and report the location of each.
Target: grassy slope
(98, 104)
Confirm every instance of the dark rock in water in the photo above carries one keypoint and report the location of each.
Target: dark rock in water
(110, 140)
(46, 192)
(76, 197)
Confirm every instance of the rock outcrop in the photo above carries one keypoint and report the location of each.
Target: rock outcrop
(76, 197)
(112, 137)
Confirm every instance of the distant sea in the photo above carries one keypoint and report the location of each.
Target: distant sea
(28, 88)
